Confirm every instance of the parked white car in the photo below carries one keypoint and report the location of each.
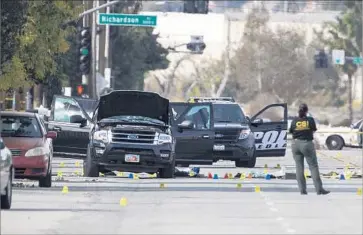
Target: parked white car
(335, 138)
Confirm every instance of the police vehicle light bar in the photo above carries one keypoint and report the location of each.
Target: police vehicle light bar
(210, 99)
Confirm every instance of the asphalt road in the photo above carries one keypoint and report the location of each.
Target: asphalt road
(115, 205)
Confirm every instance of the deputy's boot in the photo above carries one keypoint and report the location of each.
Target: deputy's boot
(323, 192)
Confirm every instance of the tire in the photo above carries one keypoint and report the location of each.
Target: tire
(168, 172)
(247, 164)
(89, 168)
(335, 142)
(7, 198)
(46, 182)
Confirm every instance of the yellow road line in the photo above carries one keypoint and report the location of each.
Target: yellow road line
(340, 160)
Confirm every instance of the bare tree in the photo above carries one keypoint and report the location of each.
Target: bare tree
(166, 79)
(206, 78)
(267, 62)
(271, 62)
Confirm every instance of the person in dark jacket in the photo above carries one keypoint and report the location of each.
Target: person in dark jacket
(302, 129)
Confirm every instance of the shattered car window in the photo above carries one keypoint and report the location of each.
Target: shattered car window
(200, 116)
(65, 108)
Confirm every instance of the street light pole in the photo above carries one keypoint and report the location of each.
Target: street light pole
(361, 54)
(96, 8)
(92, 82)
(106, 52)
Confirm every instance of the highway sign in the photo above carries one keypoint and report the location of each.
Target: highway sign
(127, 20)
(338, 57)
(358, 60)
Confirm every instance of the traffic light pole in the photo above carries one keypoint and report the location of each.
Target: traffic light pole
(361, 105)
(98, 8)
(92, 91)
(92, 83)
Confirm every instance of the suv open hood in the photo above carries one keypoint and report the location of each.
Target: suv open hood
(133, 103)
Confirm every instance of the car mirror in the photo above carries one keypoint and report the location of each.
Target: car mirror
(257, 120)
(186, 125)
(248, 119)
(352, 126)
(51, 135)
(78, 119)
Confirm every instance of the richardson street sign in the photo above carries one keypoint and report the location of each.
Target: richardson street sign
(127, 20)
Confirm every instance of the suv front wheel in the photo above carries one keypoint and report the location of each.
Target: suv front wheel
(247, 164)
(90, 169)
(168, 172)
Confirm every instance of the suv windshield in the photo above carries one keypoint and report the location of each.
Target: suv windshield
(228, 113)
(15, 126)
(133, 119)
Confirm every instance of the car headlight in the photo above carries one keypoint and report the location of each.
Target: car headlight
(38, 151)
(244, 134)
(164, 139)
(101, 136)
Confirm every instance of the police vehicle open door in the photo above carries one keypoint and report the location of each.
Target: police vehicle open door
(270, 130)
(192, 128)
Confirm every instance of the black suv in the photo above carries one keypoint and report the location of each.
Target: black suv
(129, 131)
(211, 129)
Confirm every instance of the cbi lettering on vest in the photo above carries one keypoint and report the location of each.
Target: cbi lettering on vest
(270, 139)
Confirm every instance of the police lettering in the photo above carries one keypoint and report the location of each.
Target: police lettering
(270, 140)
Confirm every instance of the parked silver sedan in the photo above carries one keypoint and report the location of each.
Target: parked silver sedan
(7, 175)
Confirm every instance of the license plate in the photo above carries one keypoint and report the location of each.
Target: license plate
(132, 158)
(218, 147)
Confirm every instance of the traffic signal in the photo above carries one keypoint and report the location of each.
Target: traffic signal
(197, 47)
(321, 59)
(85, 50)
(80, 90)
(196, 6)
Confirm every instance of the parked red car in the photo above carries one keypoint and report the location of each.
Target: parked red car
(30, 144)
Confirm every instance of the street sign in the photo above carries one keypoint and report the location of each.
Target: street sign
(358, 60)
(127, 20)
(338, 57)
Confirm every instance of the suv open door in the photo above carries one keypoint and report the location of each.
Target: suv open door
(192, 126)
(71, 119)
(270, 130)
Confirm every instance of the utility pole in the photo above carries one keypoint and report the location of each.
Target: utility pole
(361, 53)
(92, 81)
(107, 53)
(85, 23)
(92, 78)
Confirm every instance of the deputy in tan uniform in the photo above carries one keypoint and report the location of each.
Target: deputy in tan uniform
(302, 129)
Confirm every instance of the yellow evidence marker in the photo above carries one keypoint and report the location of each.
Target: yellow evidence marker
(257, 189)
(123, 201)
(243, 176)
(65, 190)
(359, 191)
